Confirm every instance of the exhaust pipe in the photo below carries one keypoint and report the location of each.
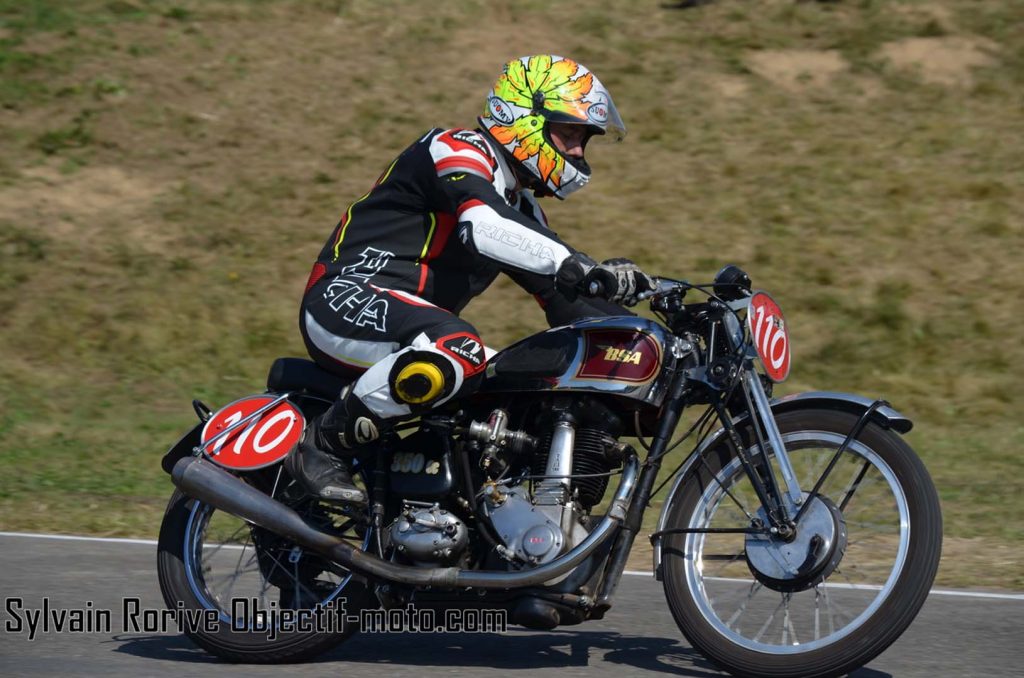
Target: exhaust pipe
(208, 483)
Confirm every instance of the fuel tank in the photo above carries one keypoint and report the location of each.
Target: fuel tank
(620, 355)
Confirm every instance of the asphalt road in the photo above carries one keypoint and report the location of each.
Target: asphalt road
(955, 635)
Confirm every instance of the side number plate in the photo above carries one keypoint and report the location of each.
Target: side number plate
(261, 441)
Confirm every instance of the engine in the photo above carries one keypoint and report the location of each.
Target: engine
(536, 508)
(538, 525)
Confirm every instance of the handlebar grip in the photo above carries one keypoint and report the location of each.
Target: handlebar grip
(595, 289)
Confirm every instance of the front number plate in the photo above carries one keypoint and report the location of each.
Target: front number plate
(770, 335)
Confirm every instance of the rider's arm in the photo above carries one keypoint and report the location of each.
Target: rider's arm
(558, 309)
(470, 185)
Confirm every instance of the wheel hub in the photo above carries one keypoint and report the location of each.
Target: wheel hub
(802, 561)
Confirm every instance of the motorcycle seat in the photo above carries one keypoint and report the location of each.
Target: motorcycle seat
(299, 374)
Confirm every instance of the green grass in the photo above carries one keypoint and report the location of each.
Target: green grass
(168, 174)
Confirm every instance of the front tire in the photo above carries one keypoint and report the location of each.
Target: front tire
(753, 626)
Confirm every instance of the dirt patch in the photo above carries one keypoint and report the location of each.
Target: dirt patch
(944, 60)
(79, 203)
(730, 86)
(940, 16)
(796, 69)
(866, 86)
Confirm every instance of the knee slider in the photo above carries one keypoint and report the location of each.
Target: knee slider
(421, 378)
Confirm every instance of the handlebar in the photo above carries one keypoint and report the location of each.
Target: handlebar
(664, 286)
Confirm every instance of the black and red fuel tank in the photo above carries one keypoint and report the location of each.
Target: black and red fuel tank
(620, 355)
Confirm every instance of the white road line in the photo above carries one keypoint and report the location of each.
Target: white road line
(867, 587)
(634, 573)
(73, 537)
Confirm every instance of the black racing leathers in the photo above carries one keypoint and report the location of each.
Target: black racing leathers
(435, 230)
(441, 223)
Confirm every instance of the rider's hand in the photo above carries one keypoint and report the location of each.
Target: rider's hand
(617, 280)
(570, 275)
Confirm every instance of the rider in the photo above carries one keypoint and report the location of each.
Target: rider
(454, 210)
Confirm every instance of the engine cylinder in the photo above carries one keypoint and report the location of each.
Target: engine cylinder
(589, 456)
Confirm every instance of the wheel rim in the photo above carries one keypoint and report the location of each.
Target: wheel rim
(222, 564)
(752, 615)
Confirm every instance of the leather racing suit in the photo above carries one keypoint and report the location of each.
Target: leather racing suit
(437, 228)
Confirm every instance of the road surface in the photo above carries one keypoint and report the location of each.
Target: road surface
(955, 635)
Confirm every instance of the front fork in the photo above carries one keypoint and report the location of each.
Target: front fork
(781, 508)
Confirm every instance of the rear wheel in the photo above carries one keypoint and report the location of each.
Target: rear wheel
(832, 598)
(211, 560)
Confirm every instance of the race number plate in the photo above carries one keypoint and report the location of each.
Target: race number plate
(262, 440)
(770, 335)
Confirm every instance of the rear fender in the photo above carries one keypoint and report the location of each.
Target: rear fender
(182, 448)
(886, 417)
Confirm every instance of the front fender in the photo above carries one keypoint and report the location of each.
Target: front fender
(885, 416)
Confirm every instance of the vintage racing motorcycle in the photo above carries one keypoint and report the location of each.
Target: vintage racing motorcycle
(799, 536)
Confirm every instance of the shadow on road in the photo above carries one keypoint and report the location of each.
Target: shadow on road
(554, 649)
(172, 648)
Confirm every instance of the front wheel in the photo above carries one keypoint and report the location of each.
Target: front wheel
(831, 598)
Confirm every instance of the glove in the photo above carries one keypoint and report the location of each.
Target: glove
(617, 280)
(572, 272)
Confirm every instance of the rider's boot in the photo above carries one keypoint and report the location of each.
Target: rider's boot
(319, 464)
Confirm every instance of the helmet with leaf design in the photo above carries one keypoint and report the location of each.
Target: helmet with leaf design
(534, 91)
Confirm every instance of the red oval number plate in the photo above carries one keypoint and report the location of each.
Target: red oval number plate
(266, 439)
(771, 337)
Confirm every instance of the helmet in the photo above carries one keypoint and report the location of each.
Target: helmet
(535, 90)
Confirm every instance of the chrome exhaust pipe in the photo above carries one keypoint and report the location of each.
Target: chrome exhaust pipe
(210, 484)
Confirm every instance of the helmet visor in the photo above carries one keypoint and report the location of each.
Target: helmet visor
(598, 112)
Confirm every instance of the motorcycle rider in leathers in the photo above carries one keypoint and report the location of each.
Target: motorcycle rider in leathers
(454, 210)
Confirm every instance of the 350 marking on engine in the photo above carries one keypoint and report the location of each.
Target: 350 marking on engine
(414, 462)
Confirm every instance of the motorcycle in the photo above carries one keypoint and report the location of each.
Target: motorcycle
(799, 536)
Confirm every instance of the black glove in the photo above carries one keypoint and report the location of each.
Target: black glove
(617, 280)
(570, 275)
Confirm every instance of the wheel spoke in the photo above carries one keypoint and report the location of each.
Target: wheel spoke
(835, 609)
(854, 485)
(277, 479)
(770, 619)
(211, 550)
(726, 559)
(238, 567)
(787, 624)
(877, 527)
(817, 613)
(726, 490)
(754, 588)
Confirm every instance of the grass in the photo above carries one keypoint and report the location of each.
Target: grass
(167, 175)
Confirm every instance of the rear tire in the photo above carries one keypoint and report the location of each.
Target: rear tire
(207, 558)
(752, 629)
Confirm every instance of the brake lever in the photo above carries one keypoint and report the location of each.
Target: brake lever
(662, 287)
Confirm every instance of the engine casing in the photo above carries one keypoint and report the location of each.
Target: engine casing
(533, 532)
(429, 536)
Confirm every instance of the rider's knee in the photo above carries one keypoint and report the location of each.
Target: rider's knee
(422, 378)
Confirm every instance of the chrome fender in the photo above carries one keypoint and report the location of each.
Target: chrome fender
(885, 417)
